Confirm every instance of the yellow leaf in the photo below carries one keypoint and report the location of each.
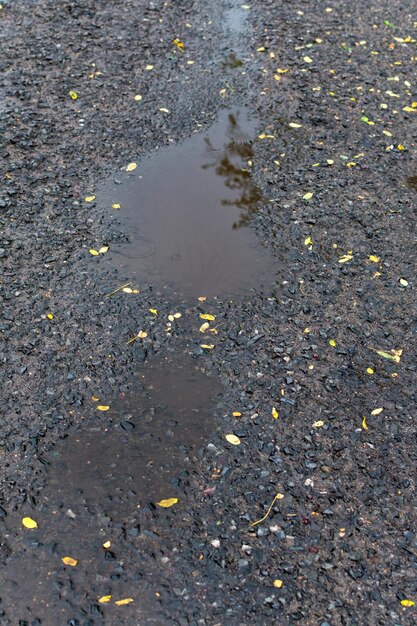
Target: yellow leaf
(73, 95)
(377, 411)
(131, 166)
(308, 241)
(67, 560)
(148, 68)
(95, 398)
(104, 599)
(204, 327)
(103, 407)
(332, 343)
(410, 110)
(329, 161)
(207, 346)
(364, 424)
(28, 522)
(274, 413)
(153, 311)
(237, 414)
(138, 97)
(178, 43)
(369, 370)
(207, 316)
(264, 136)
(202, 298)
(106, 545)
(374, 259)
(278, 583)
(294, 125)
(142, 334)
(403, 282)
(235, 441)
(103, 249)
(115, 206)
(318, 424)
(307, 59)
(164, 110)
(167, 503)
(393, 355)
(177, 316)
(94, 252)
(123, 601)
(50, 316)
(345, 258)
(308, 195)
(281, 71)
(90, 198)
(407, 602)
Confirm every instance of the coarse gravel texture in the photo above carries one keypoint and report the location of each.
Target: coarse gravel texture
(330, 83)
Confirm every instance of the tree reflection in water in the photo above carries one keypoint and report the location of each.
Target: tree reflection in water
(231, 164)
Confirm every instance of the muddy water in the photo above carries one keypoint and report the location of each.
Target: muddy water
(186, 212)
(102, 484)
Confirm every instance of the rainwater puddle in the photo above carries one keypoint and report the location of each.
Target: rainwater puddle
(186, 211)
(103, 484)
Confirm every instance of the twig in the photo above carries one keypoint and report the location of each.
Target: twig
(278, 496)
(107, 295)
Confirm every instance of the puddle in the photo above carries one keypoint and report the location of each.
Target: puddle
(102, 483)
(411, 182)
(235, 20)
(186, 211)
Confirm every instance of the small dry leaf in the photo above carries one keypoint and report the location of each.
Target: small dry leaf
(94, 252)
(308, 195)
(30, 523)
(308, 241)
(148, 68)
(407, 602)
(138, 97)
(207, 346)
(131, 167)
(67, 560)
(318, 424)
(103, 407)
(377, 411)
(164, 110)
(153, 311)
(142, 334)
(369, 370)
(103, 249)
(50, 316)
(167, 503)
(73, 95)
(345, 258)
(104, 599)
(278, 583)
(235, 441)
(332, 343)
(307, 59)
(364, 424)
(207, 316)
(177, 316)
(202, 298)
(403, 282)
(106, 545)
(393, 355)
(275, 413)
(95, 398)
(115, 205)
(374, 259)
(237, 414)
(294, 125)
(204, 327)
(90, 198)
(123, 601)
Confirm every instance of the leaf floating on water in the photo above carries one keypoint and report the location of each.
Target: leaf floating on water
(407, 603)
(131, 167)
(275, 413)
(103, 407)
(30, 523)
(167, 503)
(278, 496)
(377, 411)
(90, 198)
(123, 601)
(235, 441)
(67, 560)
(204, 327)
(207, 316)
(104, 599)
(364, 424)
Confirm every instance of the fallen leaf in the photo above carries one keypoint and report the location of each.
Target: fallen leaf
(204, 327)
(264, 136)
(202, 298)
(103, 407)
(131, 166)
(103, 249)
(345, 258)
(407, 602)
(364, 424)
(308, 241)
(138, 97)
(153, 311)
(164, 110)
(403, 282)
(104, 599)
(332, 343)
(73, 95)
(274, 413)
(123, 601)
(130, 290)
(294, 125)
(106, 545)
(94, 252)
(318, 424)
(393, 355)
(374, 259)
(235, 441)
(30, 523)
(177, 316)
(237, 414)
(142, 334)
(369, 370)
(377, 411)
(207, 316)
(148, 68)
(115, 206)
(89, 198)
(207, 346)
(308, 195)
(167, 503)
(307, 59)
(178, 43)
(278, 583)
(67, 560)
(50, 316)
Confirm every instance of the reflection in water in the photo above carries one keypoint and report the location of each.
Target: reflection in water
(228, 164)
